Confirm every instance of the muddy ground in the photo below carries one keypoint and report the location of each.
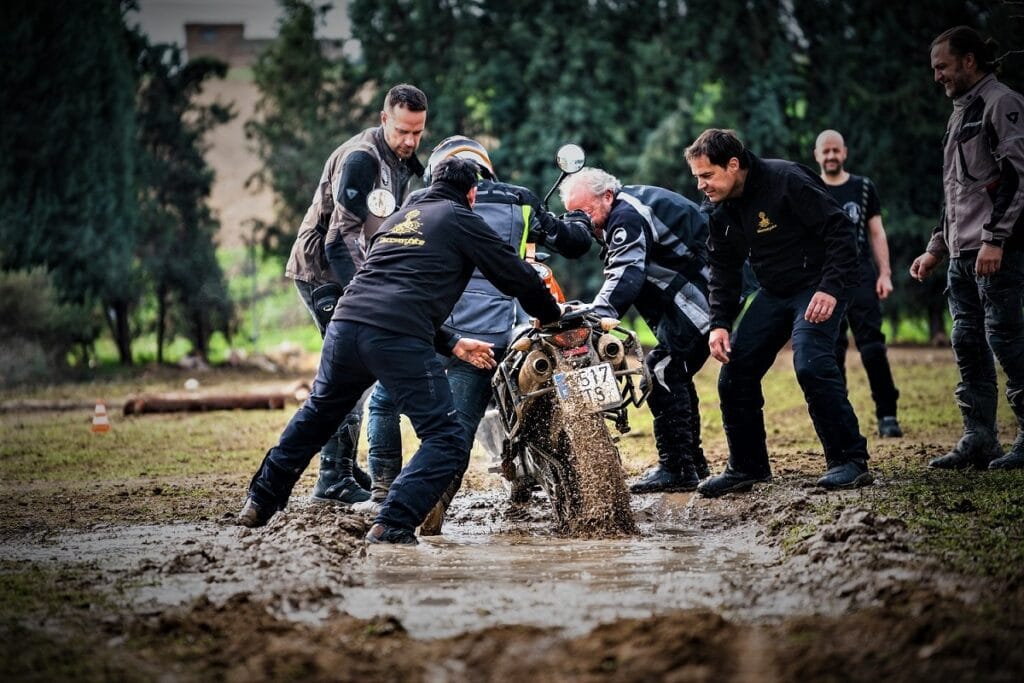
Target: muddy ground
(143, 578)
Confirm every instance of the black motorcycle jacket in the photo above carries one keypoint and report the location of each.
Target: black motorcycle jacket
(421, 259)
(793, 232)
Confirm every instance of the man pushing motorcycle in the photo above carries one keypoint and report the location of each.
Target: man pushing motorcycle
(386, 328)
(655, 258)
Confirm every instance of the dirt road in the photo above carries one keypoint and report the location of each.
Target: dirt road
(141, 577)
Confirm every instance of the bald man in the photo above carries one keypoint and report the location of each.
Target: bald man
(857, 195)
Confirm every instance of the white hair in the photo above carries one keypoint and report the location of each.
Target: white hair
(594, 180)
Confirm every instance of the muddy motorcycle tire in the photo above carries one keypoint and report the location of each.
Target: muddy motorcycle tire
(584, 480)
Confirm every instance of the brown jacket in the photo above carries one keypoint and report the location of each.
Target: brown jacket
(328, 220)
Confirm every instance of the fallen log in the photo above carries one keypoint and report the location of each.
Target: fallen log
(139, 405)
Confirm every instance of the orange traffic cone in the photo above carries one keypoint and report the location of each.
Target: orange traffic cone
(100, 423)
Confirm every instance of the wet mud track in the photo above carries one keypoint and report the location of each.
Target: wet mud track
(703, 593)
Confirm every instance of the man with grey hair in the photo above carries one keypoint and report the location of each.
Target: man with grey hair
(655, 258)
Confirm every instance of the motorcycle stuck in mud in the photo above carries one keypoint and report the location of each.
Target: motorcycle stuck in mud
(556, 391)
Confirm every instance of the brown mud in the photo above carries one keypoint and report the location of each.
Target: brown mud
(704, 592)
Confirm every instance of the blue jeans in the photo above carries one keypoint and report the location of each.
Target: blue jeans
(353, 356)
(768, 323)
(471, 391)
(987, 318)
(864, 319)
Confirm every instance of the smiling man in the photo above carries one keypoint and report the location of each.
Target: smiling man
(981, 230)
(801, 246)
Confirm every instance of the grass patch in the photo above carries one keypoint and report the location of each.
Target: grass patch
(974, 521)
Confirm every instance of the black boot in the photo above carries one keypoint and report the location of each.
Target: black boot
(336, 482)
(850, 474)
(1014, 460)
(731, 481)
(977, 448)
(675, 471)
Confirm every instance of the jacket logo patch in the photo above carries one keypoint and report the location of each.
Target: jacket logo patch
(1013, 116)
(406, 232)
(619, 236)
(764, 224)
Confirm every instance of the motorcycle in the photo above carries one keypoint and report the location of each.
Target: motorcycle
(556, 390)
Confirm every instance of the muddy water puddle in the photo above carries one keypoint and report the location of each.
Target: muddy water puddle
(488, 569)
(472, 578)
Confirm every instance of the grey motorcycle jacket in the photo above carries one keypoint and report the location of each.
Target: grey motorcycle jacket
(982, 172)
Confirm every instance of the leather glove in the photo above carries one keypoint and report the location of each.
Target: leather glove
(580, 218)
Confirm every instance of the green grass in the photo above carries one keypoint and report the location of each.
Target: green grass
(971, 520)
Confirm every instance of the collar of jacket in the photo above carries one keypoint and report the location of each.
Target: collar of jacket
(388, 154)
(443, 191)
(972, 94)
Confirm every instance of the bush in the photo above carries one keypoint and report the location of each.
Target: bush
(39, 331)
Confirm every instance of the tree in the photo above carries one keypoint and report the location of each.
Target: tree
(309, 105)
(177, 229)
(67, 151)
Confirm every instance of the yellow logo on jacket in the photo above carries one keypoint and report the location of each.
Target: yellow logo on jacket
(406, 231)
(764, 224)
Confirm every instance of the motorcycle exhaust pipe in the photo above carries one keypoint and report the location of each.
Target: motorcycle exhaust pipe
(536, 370)
(609, 348)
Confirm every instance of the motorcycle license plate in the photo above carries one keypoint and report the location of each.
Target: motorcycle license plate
(593, 387)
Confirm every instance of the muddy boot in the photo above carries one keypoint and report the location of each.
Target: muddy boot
(253, 515)
(889, 427)
(846, 475)
(675, 470)
(336, 482)
(731, 481)
(1013, 460)
(977, 448)
(381, 533)
(383, 472)
(431, 526)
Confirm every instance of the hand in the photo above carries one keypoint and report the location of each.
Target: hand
(883, 287)
(923, 265)
(718, 341)
(990, 258)
(821, 307)
(580, 218)
(475, 352)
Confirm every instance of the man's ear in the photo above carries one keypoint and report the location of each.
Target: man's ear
(733, 164)
(471, 195)
(383, 117)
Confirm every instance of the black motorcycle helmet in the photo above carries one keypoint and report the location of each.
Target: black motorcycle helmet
(460, 146)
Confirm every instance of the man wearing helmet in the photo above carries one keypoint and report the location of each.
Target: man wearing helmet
(482, 312)
(329, 247)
